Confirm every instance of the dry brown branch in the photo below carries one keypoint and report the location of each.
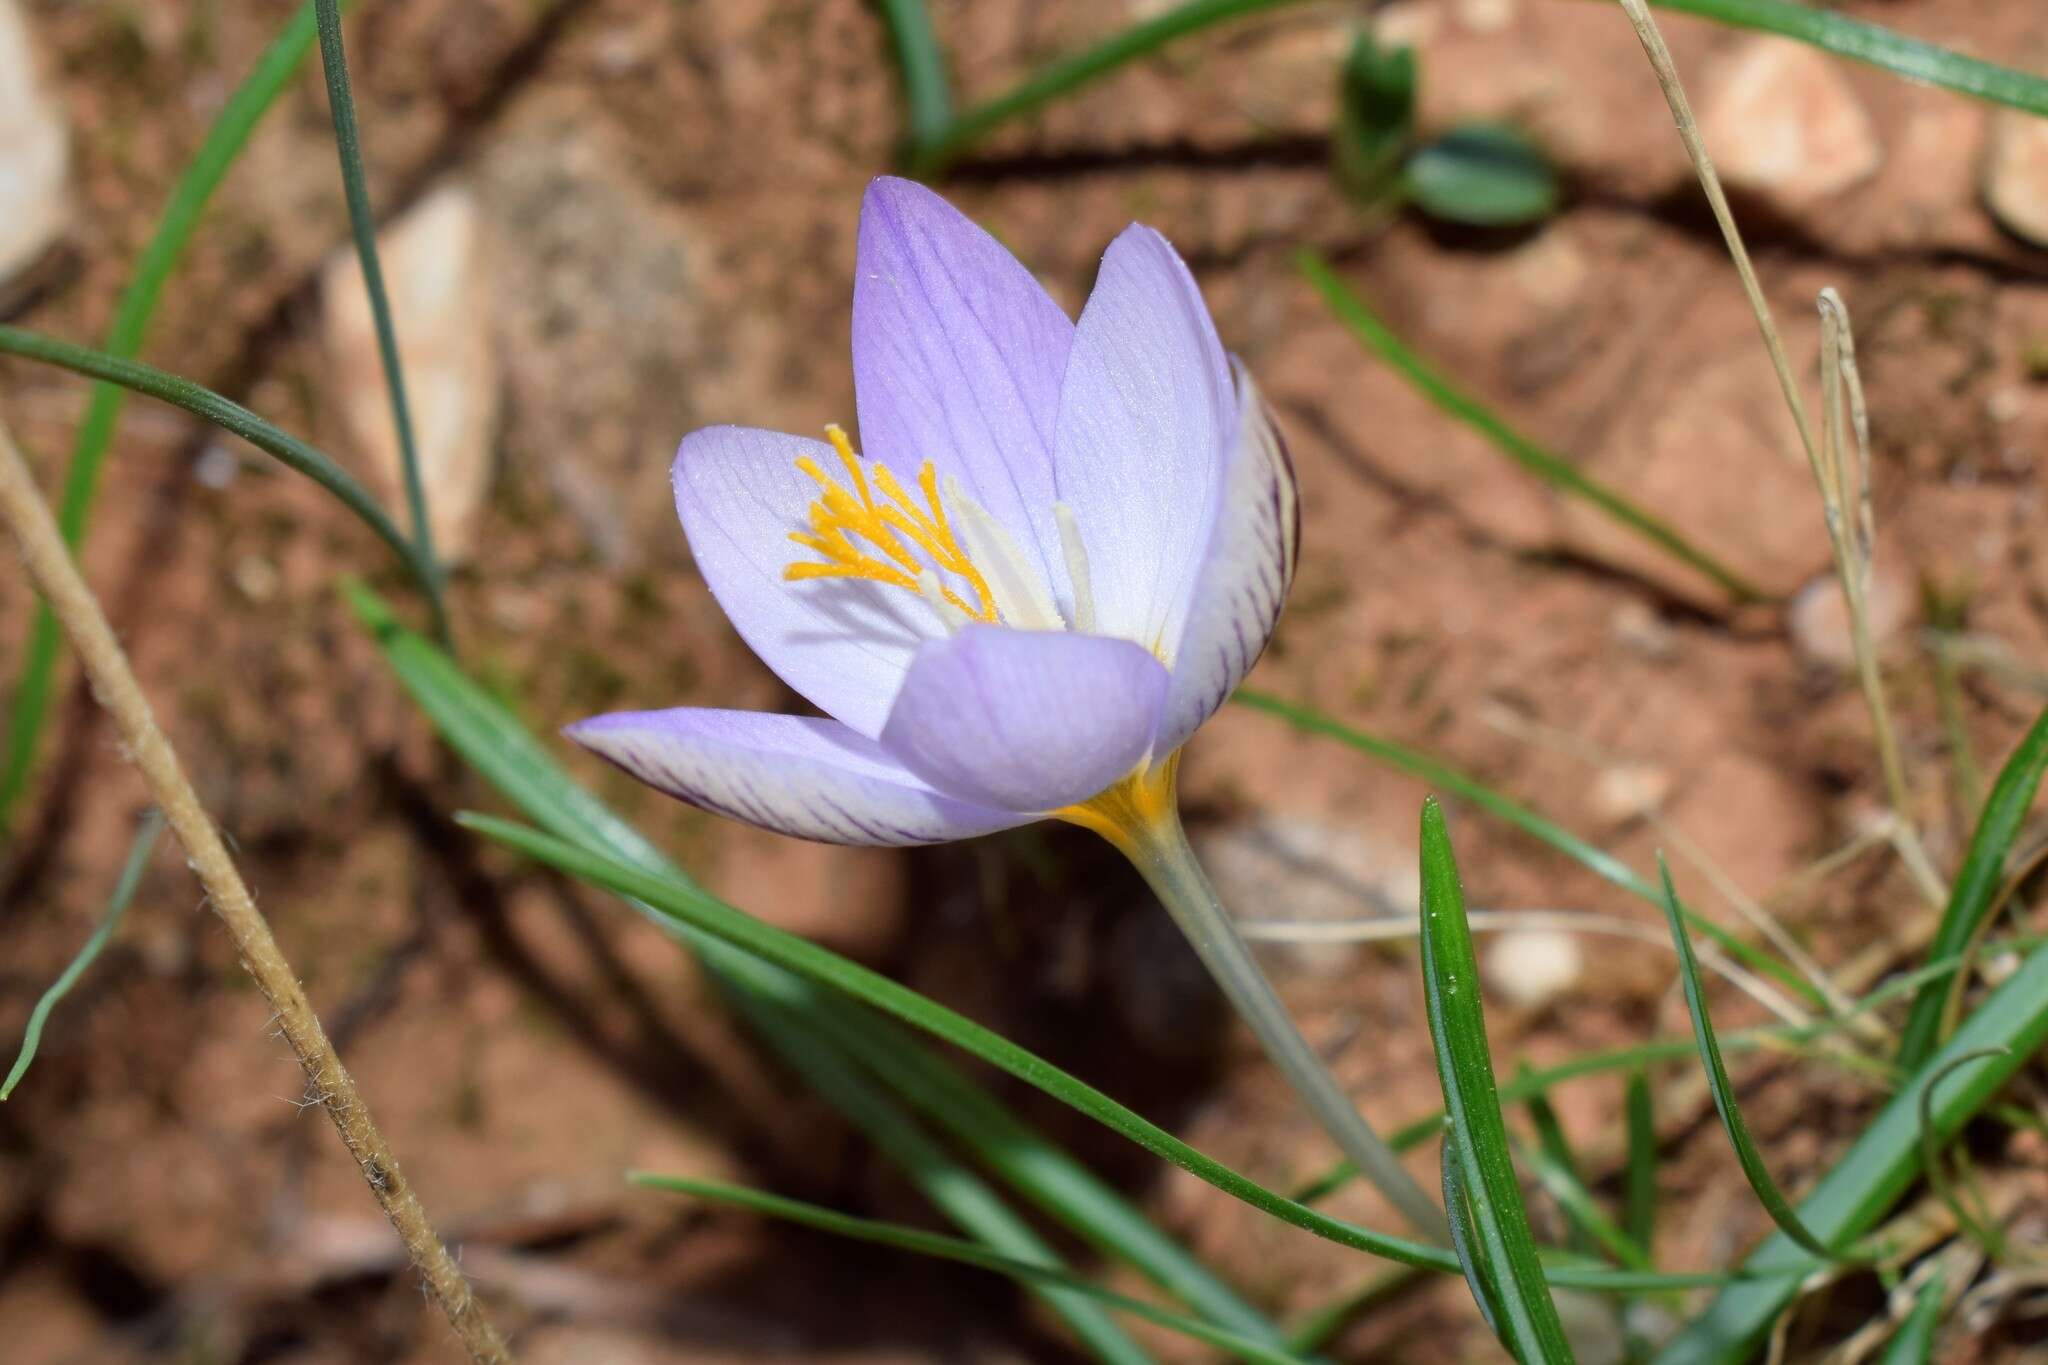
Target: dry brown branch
(114, 685)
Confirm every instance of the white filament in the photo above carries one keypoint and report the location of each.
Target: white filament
(1076, 555)
(1019, 590)
(934, 593)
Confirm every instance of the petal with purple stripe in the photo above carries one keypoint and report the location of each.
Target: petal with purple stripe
(798, 775)
(1026, 720)
(1236, 599)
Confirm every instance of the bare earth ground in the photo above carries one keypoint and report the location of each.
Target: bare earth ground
(670, 193)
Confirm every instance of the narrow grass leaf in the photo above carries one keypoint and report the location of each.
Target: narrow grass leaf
(117, 905)
(966, 1253)
(1557, 1163)
(231, 417)
(1876, 46)
(1498, 1249)
(2006, 1030)
(927, 100)
(224, 141)
(362, 223)
(498, 746)
(1591, 1227)
(1639, 1181)
(1595, 860)
(1824, 29)
(1976, 885)
(717, 920)
(1978, 1229)
(1316, 1328)
(965, 1197)
(1914, 1344)
(1753, 1168)
(1546, 464)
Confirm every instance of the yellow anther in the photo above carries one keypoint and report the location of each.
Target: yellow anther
(840, 520)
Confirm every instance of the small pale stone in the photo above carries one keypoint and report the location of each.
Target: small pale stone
(1782, 121)
(439, 283)
(35, 152)
(2016, 175)
(1818, 619)
(1629, 791)
(1529, 968)
(1638, 627)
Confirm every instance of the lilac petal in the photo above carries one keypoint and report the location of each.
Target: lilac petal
(844, 645)
(798, 775)
(1026, 720)
(1236, 599)
(957, 359)
(1146, 415)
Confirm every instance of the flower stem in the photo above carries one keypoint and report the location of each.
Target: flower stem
(1146, 828)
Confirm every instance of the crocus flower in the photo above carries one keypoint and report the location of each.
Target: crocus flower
(1063, 546)
(1059, 549)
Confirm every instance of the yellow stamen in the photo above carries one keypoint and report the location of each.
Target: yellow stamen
(840, 519)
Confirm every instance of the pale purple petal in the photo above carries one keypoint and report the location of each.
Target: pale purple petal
(844, 645)
(957, 359)
(799, 775)
(1146, 414)
(1026, 720)
(1236, 599)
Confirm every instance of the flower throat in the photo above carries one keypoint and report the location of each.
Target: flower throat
(860, 536)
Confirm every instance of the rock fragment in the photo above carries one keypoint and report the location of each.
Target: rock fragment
(439, 283)
(2016, 175)
(1782, 122)
(35, 152)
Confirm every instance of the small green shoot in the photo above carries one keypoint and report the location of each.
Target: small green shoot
(1481, 1190)
(144, 844)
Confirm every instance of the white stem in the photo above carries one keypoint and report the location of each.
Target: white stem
(1161, 854)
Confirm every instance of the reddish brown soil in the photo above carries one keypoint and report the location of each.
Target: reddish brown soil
(672, 192)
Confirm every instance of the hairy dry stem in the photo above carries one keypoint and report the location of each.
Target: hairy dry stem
(1840, 467)
(114, 685)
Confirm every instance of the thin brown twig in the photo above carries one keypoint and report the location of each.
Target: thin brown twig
(114, 684)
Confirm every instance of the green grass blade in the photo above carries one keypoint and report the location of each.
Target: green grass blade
(1592, 1227)
(717, 920)
(1876, 46)
(1639, 1182)
(1835, 33)
(1315, 1329)
(1983, 1232)
(1976, 885)
(1595, 860)
(223, 145)
(1557, 1167)
(966, 1253)
(1032, 1166)
(927, 99)
(965, 1197)
(117, 905)
(362, 223)
(1498, 1249)
(1070, 73)
(499, 747)
(1753, 1168)
(1914, 1344)
(1879, 1167)
(1778, 1037)
(231, 417)
(1544, 463)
